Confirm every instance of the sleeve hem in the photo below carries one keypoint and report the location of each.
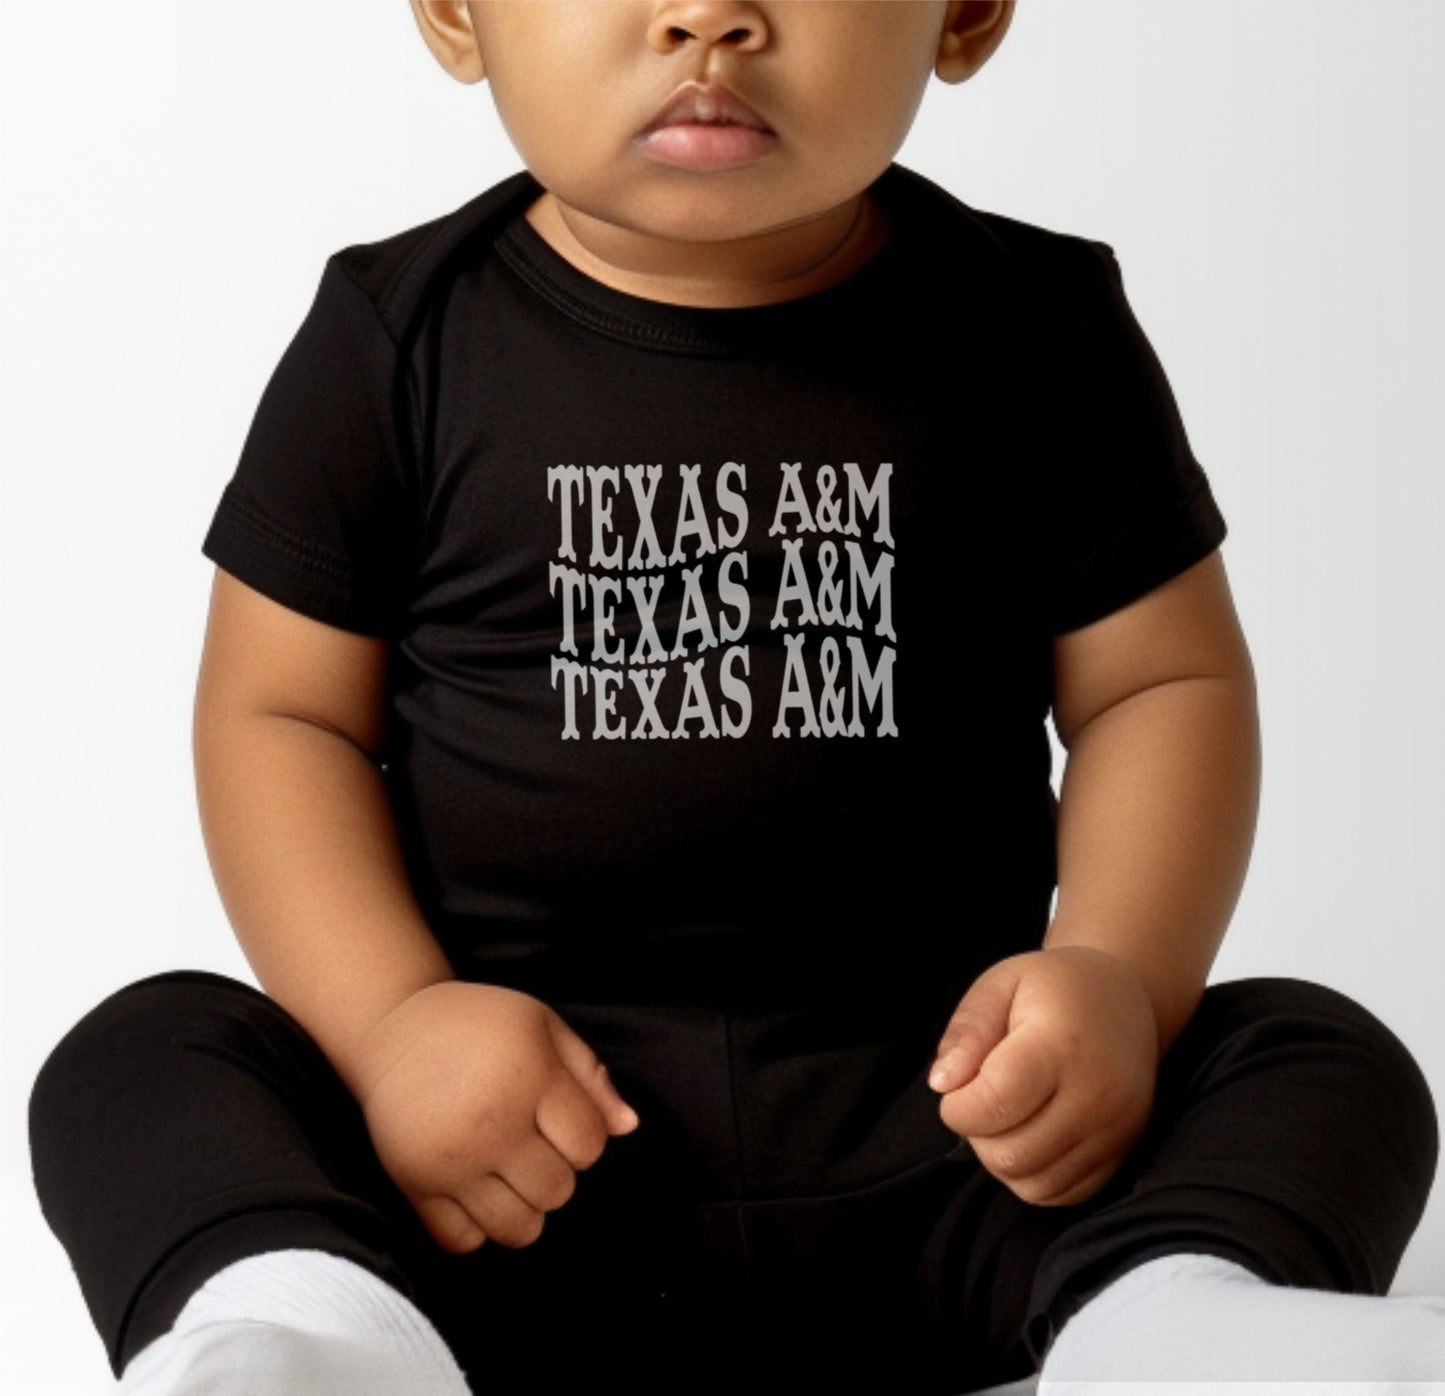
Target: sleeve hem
(298, 573)
(1134, 563)
(277, 535)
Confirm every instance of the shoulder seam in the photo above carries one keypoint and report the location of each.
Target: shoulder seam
(395, 272)
(366, 295)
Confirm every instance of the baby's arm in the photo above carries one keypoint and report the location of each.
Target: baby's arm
(289, 717)
(481, 1101)
(1048, 1065)
(1156, 707)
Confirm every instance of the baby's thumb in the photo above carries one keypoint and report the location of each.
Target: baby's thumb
(978, 1025)
(591, 1073)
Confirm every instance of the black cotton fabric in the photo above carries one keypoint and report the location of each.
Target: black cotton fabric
(720, 638)
(790, 1214)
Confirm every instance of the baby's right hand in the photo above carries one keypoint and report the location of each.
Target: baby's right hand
(482, 1103)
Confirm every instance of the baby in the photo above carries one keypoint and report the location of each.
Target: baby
(621, 751)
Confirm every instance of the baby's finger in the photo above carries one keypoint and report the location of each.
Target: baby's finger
(502, 1212)
(1074, 1178)
(1016, 1080)
(449, 1224)
(540, 1175)
(1034, 1149)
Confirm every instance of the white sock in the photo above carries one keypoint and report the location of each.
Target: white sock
(1191, 1318)
(296, 1323)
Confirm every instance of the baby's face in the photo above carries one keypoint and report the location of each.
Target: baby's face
(836, 83)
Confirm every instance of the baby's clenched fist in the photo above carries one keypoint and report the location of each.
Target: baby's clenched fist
(482, 1104)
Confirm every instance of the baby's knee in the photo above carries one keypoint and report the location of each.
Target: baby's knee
(1297, 1015)
(123, 1039)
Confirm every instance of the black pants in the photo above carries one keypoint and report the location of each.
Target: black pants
(790, 1213)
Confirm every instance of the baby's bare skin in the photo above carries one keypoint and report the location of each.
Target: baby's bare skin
(483, 1104)
(838, 82)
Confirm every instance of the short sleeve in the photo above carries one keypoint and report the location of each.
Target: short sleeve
(1127, 505)
(316, 515)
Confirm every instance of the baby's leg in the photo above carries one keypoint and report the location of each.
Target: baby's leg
(198, 1158)
(1287, 1163)
(194, 1151)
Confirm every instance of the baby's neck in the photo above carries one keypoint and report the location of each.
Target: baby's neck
(765, 271)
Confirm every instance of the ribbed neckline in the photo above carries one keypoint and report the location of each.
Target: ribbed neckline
(700, 329)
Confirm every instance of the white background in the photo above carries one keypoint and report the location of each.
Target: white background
(174, 177)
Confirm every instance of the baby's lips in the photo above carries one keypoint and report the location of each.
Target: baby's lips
(705, 103)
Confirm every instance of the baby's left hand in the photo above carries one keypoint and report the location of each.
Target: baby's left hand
(1048, 1069)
